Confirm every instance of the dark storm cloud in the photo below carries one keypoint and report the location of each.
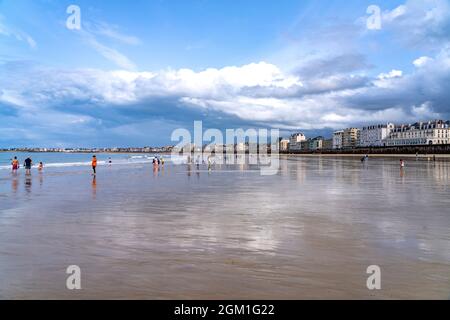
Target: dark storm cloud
(332, 65)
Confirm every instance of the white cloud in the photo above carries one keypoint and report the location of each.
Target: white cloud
(112, 55)
(420, 22)
(425, 111)
(389, 97)
(89, 34)
(422, 61)
(390, 16)
(390, 75)
(14, 98)
(112, 32)
(19, 35)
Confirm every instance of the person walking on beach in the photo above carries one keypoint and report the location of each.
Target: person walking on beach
(15, 165)
(402, 164)
(94, 164)
(209, 163)
(27, 164)
(155, 163)
(41, 166)
(197, 162)
(155, 166)
(162, 161)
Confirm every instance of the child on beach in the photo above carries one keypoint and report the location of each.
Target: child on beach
(155, 165)
(94, 164)
(41, 166)
(15, 164)
(402, 163)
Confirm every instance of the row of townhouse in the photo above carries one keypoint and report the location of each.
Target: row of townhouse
(419, 133)
(299, 142)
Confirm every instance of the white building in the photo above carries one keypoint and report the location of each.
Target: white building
(374, 136)
(295, 142)
(420, 133)
(240, 147)
(219, 148)
(338, 139)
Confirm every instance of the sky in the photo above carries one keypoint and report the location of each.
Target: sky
(137, 70)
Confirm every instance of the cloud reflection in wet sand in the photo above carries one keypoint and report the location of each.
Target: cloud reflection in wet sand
(308, 232)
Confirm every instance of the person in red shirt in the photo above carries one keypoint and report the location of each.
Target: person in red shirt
(15, 164)
(94, 163)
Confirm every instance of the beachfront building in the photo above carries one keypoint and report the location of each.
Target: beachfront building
(240, 147)
(327, 144)
(187, 148)
(420, 133)
(374, 136)
(315, 143)
(295, 142)
(338, 139)
(350, 138)
(284, 145)
(304, 145)
(219, 148)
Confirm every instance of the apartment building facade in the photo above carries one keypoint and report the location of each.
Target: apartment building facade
(375, 136)
(420, 133)
(338, 139)
(350, 138)
(295, 141)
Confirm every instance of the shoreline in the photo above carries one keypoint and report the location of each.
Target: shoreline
(336, 155)
(87, 152)
(378, 155)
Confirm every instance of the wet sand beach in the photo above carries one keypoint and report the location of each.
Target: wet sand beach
(308, 232)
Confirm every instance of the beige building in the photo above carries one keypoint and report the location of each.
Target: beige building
(350, 138)
(284, 145)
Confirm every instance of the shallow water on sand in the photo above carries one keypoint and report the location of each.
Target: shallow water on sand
(310, 231)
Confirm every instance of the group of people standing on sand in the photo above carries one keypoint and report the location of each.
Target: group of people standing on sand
(157, 162)
(94, 164)
(27, 164)
(198, 161)
(366, 158)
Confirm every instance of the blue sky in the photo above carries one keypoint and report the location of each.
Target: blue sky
(138, 70)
